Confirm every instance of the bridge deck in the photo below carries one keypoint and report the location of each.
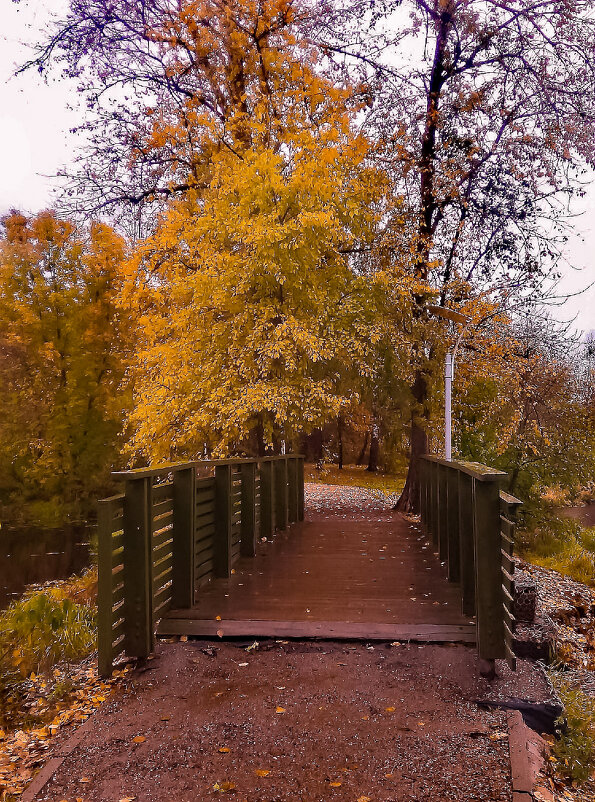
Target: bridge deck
(353, 569)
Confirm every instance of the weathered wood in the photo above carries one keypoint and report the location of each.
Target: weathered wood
(452, 524)
(104, 586)
(442, 504)
(267, 494)
(248, 509)
(176, 624)
(300, 488)
(280, 471)
(292, 489)
(222, 520)
(488, 571)
(138, 564)
(183, 538)
(467, 542)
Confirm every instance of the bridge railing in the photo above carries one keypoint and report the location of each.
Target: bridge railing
(173, 529)
(471, 522)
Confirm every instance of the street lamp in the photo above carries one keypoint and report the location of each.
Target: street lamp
(449, 369)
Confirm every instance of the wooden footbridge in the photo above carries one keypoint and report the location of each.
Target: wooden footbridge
(221, 550)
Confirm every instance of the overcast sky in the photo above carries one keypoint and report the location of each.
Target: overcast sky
(35, 142)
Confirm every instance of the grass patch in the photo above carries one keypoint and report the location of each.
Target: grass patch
(575, 750)
(54, 624)
(559, 544)
(354, 476)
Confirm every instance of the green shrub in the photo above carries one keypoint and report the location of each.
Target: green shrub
(575, 750)
(559, 544)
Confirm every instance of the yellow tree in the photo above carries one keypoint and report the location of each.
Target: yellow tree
(60, 365)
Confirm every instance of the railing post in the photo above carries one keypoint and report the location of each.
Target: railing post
(248, 525)
(423, 495)
(184, 505)
(442, 509)
(467, 542)
(222, 557)
(488, 575)
(267, 498)
(138, 567)
(104, 587)
(433, 516)
(300, 488)
(292, 489)
(452, 524)
(280, 464)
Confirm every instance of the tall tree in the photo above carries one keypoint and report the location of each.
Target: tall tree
(60, 364)
(486, 113)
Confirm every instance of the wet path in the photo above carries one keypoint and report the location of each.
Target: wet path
(354, 568)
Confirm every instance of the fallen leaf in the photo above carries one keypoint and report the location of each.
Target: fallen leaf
(224, 787)
(242, 665)
(335, 784)
(139, 739)
(84, 780)
(262, 772)
(217, 618)
(184, 638)
(280, 710)
(225, 749)
(498, 736)
(127, 799)
(390, 709)
(364, 799)
(220, 633)
(165, 718)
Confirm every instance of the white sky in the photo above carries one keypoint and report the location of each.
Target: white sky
(35, 142)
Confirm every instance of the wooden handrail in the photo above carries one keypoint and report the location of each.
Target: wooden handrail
(174, 529)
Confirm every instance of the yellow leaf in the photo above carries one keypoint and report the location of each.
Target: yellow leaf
(127, 799)
(364, 799)
(224, 749)
(217, 618)
(223, 787)
(85, 780)
(139, 739)
(390, 709)
(335, 784)
(280, 710)
(262, 772)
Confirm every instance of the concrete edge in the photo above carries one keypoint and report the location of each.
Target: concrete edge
(45, 774)
(528, 757)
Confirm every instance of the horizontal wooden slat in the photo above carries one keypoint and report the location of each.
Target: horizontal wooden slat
(164, 566)
(508, 581)
(161, 509)
(117, 541)
(507, 527)
(117, 595)
(507, 595)
(163, 522)
(507, 544)
(204, 567)
(165, 550)
(203, 555)
(117, 557)
(204, 520)
(203, 542)
(507, 562)
(117, 630)
(204, 531)
(162, 536)
(508, 616)
(205, 507)
(164, 592)
(178, 623)
(162, 492)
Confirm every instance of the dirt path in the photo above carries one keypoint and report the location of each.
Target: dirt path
(300, 721)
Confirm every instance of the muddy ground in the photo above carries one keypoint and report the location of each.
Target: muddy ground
(299, 721)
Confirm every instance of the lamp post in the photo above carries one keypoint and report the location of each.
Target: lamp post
(449, 369)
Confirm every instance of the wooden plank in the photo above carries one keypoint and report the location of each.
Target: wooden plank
(222, 520)
(162, 493)
(281, 492)
(104, 586)
(452, 524)
(162, 536)
(507, 561)
(508, 582)
(267, 494)
(467, 542)
(507, 527)
(139, 637)
(162, 507)
(442, 520)
(332, 630)
(488, 567)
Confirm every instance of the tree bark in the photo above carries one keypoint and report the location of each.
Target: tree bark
(374, 448)
(409, 500)
(340, 440)
(362, 453)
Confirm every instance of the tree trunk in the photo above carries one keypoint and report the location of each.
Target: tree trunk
(362, 453)
(340, 440)
(374, 449)
(409, 500)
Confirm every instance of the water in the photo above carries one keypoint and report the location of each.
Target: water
(31, 556)
(584, 515)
